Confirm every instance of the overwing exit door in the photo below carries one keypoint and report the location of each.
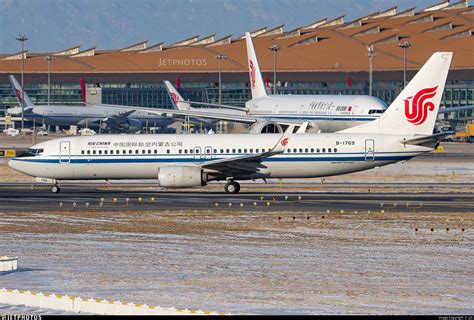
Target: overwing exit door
(369, 150)
(64, 151)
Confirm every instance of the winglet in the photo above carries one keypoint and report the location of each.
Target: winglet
(282, 143)
(175, 97)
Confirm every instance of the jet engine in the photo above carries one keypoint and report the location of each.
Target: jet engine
(266, 127)
(131, 125)
(181, 177)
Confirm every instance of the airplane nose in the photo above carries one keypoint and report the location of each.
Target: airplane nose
(15, 164)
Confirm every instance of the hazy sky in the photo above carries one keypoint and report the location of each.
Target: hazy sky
(53, 25)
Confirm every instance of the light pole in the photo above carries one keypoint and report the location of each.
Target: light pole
(405, 45)
(275, 49)
(220, 57)
(22, 38)
(49, 59)
(371, 55)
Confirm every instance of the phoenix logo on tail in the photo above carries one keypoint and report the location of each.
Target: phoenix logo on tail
(418, 111)
(18, 93)
(252, 73)
(174, 97)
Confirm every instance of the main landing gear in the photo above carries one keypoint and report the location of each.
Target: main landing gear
(232, 187)
(56, 188)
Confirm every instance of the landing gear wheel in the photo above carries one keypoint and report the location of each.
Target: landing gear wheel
(232, 187)
(55, 189)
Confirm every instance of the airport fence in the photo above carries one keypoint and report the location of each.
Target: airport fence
(87, 305)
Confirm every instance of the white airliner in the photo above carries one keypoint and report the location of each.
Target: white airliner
(328, 113)
(113, 117)
(179, 161)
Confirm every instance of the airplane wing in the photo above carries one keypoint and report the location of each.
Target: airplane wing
(215, 105)
(237, 117)
(248, 163)
(427, 140)
(121, 116)
(240, 117)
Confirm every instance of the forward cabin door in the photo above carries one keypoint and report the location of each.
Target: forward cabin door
(64, 151)
(369, 150)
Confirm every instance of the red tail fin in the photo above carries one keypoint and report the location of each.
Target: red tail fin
(83, 90)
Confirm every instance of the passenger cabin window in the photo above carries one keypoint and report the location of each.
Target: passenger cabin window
(329, 149)
(324, 149)
(100, 151)
(168, 151)
(335, 149)
(82, 151)
(375, 111)
(312, 150)
(185, 150)
(93, 151)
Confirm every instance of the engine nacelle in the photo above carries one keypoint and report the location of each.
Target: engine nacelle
(266, 127)
(131, 125)
(181, 177)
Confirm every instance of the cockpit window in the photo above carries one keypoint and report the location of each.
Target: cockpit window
(375, 111)
(30, 153)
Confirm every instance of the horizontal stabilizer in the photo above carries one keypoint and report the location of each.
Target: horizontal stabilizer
(427, 141)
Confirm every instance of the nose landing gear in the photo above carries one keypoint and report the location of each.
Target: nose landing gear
(56, 188)
(232, 187)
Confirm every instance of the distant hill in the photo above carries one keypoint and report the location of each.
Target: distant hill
(53, 25)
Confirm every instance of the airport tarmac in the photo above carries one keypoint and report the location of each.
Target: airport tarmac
(21, 197)
(261, 261)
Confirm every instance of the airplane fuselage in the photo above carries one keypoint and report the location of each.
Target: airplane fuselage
(329, 113)
(140, 157)
(90, 116)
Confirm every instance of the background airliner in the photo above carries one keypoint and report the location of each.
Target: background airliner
(178, 161)
(267, 113)
(106, 117)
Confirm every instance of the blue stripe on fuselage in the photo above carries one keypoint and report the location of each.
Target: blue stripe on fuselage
(178, 160)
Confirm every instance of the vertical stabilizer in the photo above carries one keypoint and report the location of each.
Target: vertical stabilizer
(415, 109)
(17, 89)
(176, 98)
(256, 81)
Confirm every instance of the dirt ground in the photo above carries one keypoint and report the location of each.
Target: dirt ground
(250, 262)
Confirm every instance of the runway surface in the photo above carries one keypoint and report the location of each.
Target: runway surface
(24, 197)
